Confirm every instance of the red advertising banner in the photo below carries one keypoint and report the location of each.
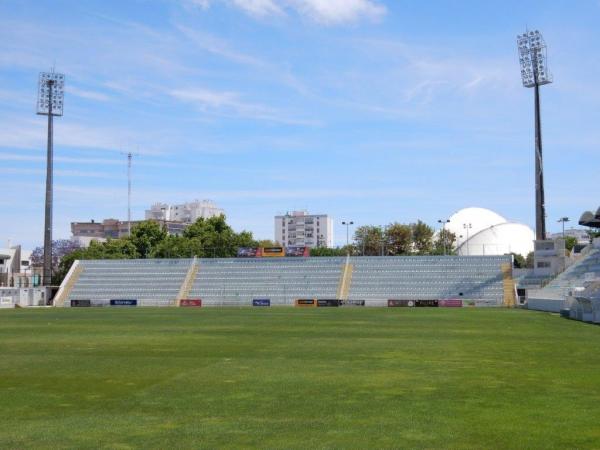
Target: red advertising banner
(190, 302)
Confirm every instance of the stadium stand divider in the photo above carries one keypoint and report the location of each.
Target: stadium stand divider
(65, 289)
(345, 280)
(509, 287)
(188, 282)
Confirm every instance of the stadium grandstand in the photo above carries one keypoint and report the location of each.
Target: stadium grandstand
(370, 281)
(574, 292)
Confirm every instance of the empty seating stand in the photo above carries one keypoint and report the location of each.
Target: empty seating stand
(476, 278)
(153, 282)
(237, 281)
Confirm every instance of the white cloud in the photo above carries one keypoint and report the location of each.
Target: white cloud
(230, 104)
(89, 95)
(259, 8)
(31, 134)
(334, 12)
(326, 12)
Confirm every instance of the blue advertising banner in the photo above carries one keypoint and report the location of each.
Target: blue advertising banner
(123, 302)
(261, 302)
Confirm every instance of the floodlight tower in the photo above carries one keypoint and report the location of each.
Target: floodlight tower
(51, 89)
(534, 73)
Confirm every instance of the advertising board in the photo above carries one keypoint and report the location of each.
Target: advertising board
(306, 303)
(297, 251)
(81, 303)
(247, 252)
(450, 303)
(123, 302)
(353, 303)
(326, 302)
(272, 252)
(426, 303)
(261, 302)
(401, 303)
(190, 302)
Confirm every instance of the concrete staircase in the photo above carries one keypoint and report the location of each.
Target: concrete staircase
(188, 282)
(344, 287)
(508, 285)
(67, 285)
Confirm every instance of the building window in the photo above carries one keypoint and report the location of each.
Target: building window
(543, 264)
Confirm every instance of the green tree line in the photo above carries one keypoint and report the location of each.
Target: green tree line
(206, 238)
(396, 239)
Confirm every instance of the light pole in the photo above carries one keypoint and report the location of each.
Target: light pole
(163, 210)
(467, 226)
(534, 73)
(383, 239)
(347, 231)
(563, 220)
(443, 223)
(50, 102)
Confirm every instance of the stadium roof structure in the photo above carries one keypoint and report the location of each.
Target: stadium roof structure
(589, 219)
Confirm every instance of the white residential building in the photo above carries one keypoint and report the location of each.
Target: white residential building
(185, 212)
(304, 230)
(15, 266)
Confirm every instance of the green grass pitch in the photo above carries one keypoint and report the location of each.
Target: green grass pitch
(297, 378)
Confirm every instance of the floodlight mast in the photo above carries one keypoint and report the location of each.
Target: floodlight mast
(50, 103)
(534, 73)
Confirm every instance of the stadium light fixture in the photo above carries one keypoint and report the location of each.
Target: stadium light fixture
(533, 59)
(50, 102)
(347, 224)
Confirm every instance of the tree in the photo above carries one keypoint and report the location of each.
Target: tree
(111, 249)
(267, 243)
(369, 240)
(529, 260)
(326, 251)
(444, 244)
(399, 239)
(146, 236)
(570, 242)
(519, 261)
(214, 238)
(60, 248)
(422, 237)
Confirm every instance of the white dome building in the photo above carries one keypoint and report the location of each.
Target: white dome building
(480, 231)
(499, 240)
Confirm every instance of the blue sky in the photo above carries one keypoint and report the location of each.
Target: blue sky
(368, 110)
